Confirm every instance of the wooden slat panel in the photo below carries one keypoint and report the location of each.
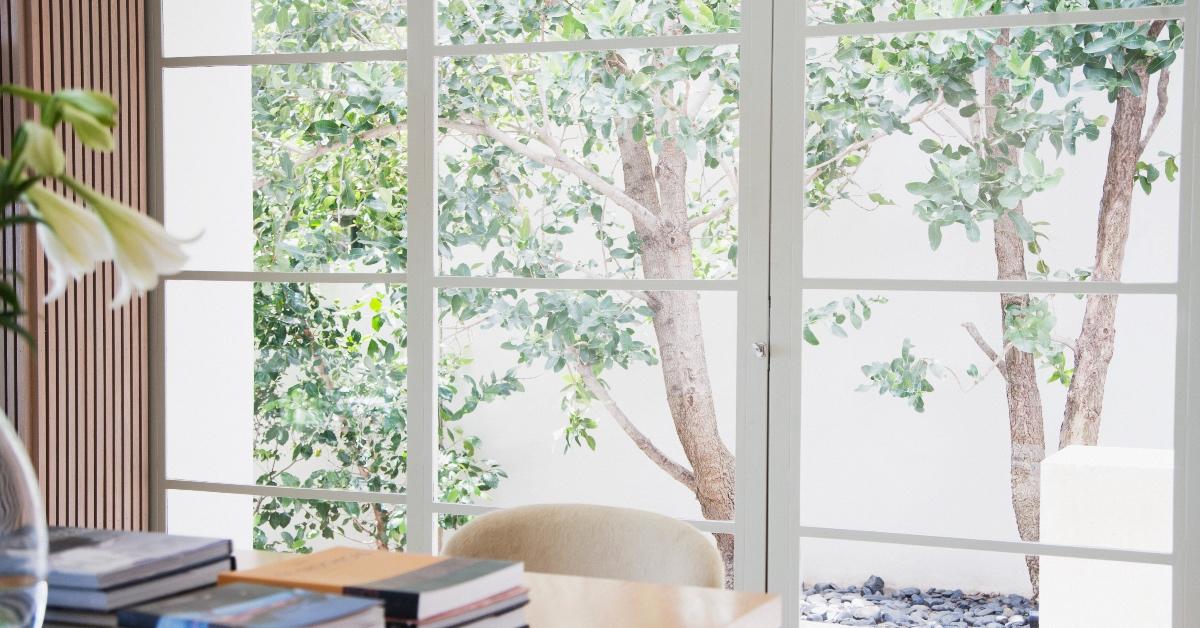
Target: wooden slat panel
(81, 400)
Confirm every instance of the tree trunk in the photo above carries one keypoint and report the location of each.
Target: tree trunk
(667, 254)
(1097, 335)
(1025, 420)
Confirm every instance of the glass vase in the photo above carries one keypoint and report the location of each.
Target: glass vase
(22, 535)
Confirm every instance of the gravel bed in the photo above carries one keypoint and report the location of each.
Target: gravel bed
(874, 604)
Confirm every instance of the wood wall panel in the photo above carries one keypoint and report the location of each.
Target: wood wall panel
(81, 397)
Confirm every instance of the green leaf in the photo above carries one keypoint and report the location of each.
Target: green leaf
(810, 337)
(572, 28)
(1010, 197)
(930, 146)
(935, 235)
(1024, 229)
(624, 9)
(325, 127)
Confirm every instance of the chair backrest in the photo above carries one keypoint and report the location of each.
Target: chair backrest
(596, 541)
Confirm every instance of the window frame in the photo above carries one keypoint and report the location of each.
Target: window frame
(770, 286)
(421, 56)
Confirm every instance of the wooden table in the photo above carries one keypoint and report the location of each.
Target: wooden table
(577, 602)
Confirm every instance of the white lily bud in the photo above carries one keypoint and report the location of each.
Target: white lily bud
(42, 151)
(88, 129)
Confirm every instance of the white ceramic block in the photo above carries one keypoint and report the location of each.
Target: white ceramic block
(1110, 497)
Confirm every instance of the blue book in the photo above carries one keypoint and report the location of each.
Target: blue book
(254, 605)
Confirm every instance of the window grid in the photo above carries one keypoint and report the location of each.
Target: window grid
(787, 22)
(421, 274)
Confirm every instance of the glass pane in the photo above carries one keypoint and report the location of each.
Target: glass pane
(307, 525)
(448, 525)
(850, 11)
(595, 397)
(220, 515)
(232, 27)
(536, 180)
(489, 21)
(950, 435)
(286, 525)
(899, 585)
(320, 368)
(311, 162)
(910, 175)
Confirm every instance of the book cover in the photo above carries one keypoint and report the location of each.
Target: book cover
(501, 604)
(252, 605)
(412, 586)
(106, 600)
(101, 559)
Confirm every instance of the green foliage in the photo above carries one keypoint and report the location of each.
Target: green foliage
(331, 189)
(471, 21)
(905, 377)
(989, 156)
(1030, 328)
(835, 314)
(326, 25)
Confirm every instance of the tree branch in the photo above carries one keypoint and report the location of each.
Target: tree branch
(811, 172)
(983, 345)
(556, 159)
(318, 151)
(1164, 79)
(682, 474)
(709, 216)
(559, 161)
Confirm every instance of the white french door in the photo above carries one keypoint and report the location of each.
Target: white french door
(894, 445)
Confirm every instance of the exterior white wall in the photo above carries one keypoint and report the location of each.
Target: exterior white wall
(1106, 497)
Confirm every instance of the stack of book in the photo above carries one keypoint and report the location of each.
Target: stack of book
(417, 591)
(95, 572)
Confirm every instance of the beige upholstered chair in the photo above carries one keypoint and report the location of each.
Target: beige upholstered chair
(597, 541)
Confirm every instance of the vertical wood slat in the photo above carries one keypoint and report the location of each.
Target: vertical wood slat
(80, 400)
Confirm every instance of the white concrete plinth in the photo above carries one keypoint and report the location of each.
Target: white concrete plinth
(1110, 497)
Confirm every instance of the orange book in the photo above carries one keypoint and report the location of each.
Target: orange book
(412, 586)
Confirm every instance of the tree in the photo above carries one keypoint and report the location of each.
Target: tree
(990, 87)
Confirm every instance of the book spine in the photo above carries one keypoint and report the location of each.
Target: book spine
(136, 619)
(395, 604)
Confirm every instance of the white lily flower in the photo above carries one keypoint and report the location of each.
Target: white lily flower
(42, 151)
(74, 239)
(142, 249)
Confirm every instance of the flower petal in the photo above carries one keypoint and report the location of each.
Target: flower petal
(74, 239)
(143, 250)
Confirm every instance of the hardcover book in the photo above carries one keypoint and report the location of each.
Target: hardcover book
(103, 559)
(411, 586)
(105, 600)
(253, 605)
